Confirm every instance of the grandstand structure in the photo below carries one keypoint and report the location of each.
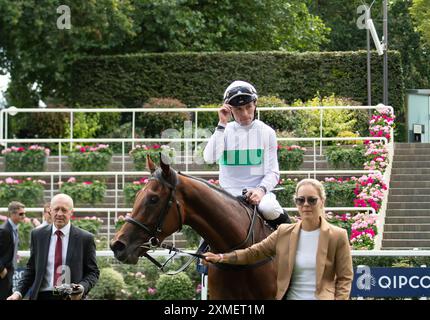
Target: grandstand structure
(402, 218)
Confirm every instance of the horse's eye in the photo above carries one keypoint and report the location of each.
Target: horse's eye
(153, 199)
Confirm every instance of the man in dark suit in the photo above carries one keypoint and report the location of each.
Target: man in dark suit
(59, 254)
(9, 247)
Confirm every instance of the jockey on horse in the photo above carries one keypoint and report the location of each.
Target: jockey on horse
(246, 149)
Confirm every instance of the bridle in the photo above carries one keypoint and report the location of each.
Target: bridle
(154, 241)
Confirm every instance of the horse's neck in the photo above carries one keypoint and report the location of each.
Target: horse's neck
(220, 220)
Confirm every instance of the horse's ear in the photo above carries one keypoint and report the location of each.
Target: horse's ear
(165, 167)
(149, 164)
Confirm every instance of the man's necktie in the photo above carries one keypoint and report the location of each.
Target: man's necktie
(15, 248)
(58, 260)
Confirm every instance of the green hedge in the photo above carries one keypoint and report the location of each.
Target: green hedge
(201, 78)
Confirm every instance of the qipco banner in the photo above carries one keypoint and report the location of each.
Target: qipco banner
(391, 282)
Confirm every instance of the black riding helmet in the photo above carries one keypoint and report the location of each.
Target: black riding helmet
(239, 93)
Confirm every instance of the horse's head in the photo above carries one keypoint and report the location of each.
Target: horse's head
(156, 215)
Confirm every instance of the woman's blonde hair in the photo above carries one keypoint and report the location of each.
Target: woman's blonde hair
(313, 182)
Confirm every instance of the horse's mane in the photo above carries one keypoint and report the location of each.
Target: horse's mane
(214, 187)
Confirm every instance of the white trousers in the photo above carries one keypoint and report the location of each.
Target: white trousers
(269, 206)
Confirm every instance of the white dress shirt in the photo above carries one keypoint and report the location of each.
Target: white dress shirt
(48, 281)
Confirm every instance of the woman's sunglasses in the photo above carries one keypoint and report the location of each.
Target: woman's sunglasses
(300, 201)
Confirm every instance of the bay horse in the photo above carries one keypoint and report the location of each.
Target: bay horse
(171, 199)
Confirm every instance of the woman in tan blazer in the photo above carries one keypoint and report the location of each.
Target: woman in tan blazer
(313, 257)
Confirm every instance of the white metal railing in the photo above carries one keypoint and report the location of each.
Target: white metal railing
(189, 157)
(4, 113)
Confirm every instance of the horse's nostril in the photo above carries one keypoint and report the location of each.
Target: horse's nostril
(117, 246)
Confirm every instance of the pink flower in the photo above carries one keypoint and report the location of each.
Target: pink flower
(152, 291)
(71, 180)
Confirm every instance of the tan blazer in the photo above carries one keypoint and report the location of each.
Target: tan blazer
(333, 265)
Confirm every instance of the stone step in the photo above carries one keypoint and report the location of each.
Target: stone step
(410, 170)
(421, 235)
(405, 248)
(408, 244)
(408, 198)
(407, 220)
(408, 213)
(409, 191)
(410, 177)
(408, 205)
(403, 145)
(409, 184)
(417, 228)
(411, 157)
(405, 152)
(411, 164)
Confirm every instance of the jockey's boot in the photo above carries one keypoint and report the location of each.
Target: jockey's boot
(283, 218)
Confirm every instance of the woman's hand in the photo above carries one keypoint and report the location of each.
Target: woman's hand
(212, 257)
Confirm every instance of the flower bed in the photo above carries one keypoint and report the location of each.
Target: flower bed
(90, 224)
(381, 123)
(340, 157)
(21, 159)
(132, 188)
(290, 157)
(87, 158)
(28, 191)
(361, 228)
(87, 192)
(340, 192)
(285, 196)
(139, 153)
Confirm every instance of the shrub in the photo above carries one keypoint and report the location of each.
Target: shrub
(87, 192)
(176, 287)
(19, 159)
(346, 158)
(279, 120)
(334, 121)
(208, 120)
(119, 221)
(87, 158)
(153, 123)
(24, 232)
(130, 190)
(91, 225)
(198, 158)
(28, 191)
(340, 192)
(34, 125)
(92, 125)
(342, 220)
(348, 134)
(290, 157)
(110, 285)
(193, 238)
(85, 125)
(136, 285)
(285, 196)
(139, 152)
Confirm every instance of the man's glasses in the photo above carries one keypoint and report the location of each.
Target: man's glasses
(21, 214)
(300, 201)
